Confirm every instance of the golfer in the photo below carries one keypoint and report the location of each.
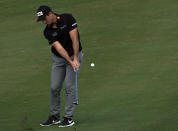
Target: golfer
(63, 36)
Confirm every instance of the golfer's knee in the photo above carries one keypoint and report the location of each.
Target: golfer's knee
(69, 89)
(55, 88)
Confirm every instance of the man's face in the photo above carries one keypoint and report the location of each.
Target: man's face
(48, 19)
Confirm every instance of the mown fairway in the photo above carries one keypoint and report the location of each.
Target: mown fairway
(133, 87)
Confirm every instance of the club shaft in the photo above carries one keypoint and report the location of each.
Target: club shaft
(76, 87)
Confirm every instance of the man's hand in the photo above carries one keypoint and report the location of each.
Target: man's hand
(77, 64)
(73, 66)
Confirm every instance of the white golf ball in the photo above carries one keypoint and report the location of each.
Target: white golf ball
(92, 64)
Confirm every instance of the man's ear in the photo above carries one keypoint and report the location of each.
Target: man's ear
(50, 13)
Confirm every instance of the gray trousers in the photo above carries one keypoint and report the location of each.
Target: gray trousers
(62, 71)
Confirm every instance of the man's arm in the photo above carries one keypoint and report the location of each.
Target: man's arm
(63, 53)
(75, 43)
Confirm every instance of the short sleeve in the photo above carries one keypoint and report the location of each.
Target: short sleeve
(50, 36)
(72, 23)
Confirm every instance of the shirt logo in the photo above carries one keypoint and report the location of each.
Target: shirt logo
(54, 34)
(64, 26)
(40, 13)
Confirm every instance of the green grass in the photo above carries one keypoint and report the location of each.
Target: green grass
(133, 86)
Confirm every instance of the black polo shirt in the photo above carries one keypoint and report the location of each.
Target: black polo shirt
(65, 23)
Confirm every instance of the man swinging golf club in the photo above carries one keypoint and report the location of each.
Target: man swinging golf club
(63, 36)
